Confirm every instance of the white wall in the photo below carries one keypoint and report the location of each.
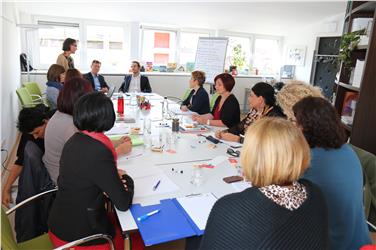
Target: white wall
(166, 84)
(306, 36)
(10, 74)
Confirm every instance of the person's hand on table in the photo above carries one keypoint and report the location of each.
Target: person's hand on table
(184, 108)
(104, 90)
(218, 134)
(124, 147)
(230, 137)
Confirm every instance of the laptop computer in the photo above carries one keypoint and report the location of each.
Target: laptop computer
(111, 91)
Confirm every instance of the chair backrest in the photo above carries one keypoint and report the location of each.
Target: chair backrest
(24, 97)
(213, 98)
(33, 88)
(7, 239)
(368, 162)
(186, 94)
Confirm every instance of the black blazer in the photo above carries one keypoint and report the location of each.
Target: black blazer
(200, 101)
(230, 110)
(144, 82)
(90, 78)
(79, 208)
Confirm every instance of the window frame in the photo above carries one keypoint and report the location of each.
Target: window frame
(82, 27)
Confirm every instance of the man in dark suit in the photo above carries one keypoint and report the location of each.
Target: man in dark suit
(135, 82)
(97, 80)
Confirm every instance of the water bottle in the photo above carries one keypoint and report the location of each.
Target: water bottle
(120, 104)
(164, 107)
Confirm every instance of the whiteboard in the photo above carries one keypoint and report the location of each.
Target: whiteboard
(210, 56)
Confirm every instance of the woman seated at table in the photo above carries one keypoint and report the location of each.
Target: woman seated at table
(262, 103)
(336, 169)
(226, 110)
(278, 211)
(87, 171)
(55, 79)
(198, 98)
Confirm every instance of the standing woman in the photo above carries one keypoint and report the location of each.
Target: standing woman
(226, 110)
(262, 103)
(65, 59)
(88, 172)
(55, 79)
(198, 98)
(278, 211)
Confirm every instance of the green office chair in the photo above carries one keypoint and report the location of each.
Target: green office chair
(213, 98)
(368, 162)
(186, 94)
(25, 99)
(41, 242)
(35, 92)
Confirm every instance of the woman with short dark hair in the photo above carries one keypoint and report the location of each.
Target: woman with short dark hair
(87, 171)
(336, 169)
(198, 99)
(65, 59)
(55, 79)
(226, 110)
(262, 103)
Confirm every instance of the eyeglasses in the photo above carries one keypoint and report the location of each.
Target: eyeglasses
(234, 153)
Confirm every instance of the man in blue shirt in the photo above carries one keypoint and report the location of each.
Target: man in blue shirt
(97, 81)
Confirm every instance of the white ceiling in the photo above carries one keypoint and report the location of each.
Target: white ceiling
(257, 17)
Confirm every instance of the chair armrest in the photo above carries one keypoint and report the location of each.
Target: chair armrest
(86, 239)
(28, 200)
(371, 225)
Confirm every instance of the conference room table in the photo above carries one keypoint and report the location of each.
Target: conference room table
(176, 166)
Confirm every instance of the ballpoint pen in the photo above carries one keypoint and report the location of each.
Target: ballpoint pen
(156, 185)
(145, 216)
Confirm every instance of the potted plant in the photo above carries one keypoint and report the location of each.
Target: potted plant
(238, 58)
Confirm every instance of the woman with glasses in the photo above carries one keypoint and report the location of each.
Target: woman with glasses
(65, 59)
(262, 104)
(198, 99)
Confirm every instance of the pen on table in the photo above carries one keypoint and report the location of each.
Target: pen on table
(145, 216)
(156, 185)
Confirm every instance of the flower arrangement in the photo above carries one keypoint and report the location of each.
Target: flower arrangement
(143, 103)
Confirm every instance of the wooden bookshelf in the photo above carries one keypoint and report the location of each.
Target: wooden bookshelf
(363, 130)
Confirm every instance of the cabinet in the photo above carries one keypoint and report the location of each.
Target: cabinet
(324, 65)
(357, 104)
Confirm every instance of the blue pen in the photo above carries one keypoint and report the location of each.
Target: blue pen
(145, 216)
(156, 185)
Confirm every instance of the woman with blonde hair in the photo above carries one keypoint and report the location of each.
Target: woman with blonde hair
(293, 92)
(278, 211)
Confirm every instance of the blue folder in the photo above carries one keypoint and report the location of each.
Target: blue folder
(171, 223)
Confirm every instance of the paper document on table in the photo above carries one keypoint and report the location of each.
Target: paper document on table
(198, 207)
(118, 131)
(141, 171)
(135, 153)
(216, 161)
(178, 111)
(241, 185)
(147, 186)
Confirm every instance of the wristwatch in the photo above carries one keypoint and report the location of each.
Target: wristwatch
(208, 122)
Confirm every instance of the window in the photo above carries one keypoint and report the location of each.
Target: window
(159, 46)
(267, 56)
(188, 46)
(51, 41)
(106, 44)
(238, 53)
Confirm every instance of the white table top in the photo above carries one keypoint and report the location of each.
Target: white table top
(188, 147)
